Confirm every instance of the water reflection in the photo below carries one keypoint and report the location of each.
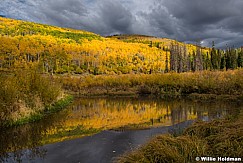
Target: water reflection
(89, 116)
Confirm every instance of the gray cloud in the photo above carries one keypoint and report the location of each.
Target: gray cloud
(184, 20)
(207, 20)
(67, 13)
(116, 17)
(196, 12)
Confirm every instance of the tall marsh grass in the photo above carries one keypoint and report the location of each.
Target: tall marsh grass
(24, 93)
(218, 138)
(205, 82)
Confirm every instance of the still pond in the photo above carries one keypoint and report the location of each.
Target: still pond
(100, 129)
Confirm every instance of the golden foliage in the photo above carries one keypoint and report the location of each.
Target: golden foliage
(62, 50)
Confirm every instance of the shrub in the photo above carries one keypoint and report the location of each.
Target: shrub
(24, 92)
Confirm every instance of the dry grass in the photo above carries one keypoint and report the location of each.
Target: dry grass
(24, 93)
(222, 138)
(166, 148)
(205, 82)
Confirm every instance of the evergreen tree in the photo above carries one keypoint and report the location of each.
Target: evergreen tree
(222, 62)
(228, 59)
(193, 62)
(166, 63)
(234, 58)
(218, 59)
(214, 57)
(240, 58)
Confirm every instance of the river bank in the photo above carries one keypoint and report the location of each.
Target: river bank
(91, 125)
(205, 85)
(218, 138)
(26, 96)
(17, 107)
(45, 91)
(36, 116)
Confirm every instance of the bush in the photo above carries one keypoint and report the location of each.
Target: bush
(206, 82)
(25, 92)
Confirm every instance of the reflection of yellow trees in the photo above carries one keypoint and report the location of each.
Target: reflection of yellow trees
(102, 114)
(117, 116)
(89, 116)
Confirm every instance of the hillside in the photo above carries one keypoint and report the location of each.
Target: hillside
(63, 50)
(13, 28)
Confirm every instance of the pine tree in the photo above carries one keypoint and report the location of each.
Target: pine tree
(234, 58)
(218, 59)
(193, 62)
(228, 59)
(166, 63)
(214, 58)
(222, 62)
(240, 58)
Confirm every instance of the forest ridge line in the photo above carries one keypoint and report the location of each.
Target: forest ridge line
(62, 50)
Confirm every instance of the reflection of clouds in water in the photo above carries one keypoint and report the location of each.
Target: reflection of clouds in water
(28, 154)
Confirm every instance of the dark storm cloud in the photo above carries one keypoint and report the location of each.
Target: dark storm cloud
(104, 17)
(184, 20)
(61, 12)
(162, 22)
(191, 20)
(115, 17)
(198, 12)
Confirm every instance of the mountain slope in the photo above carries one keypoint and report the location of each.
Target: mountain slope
(18, 27)
(62, 50)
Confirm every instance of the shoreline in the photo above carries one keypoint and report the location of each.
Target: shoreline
(57, 106)
(205, 85)
(217, 138)
(193, 96)
(64, 102)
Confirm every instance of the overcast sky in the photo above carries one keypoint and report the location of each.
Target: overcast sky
(184, 20)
